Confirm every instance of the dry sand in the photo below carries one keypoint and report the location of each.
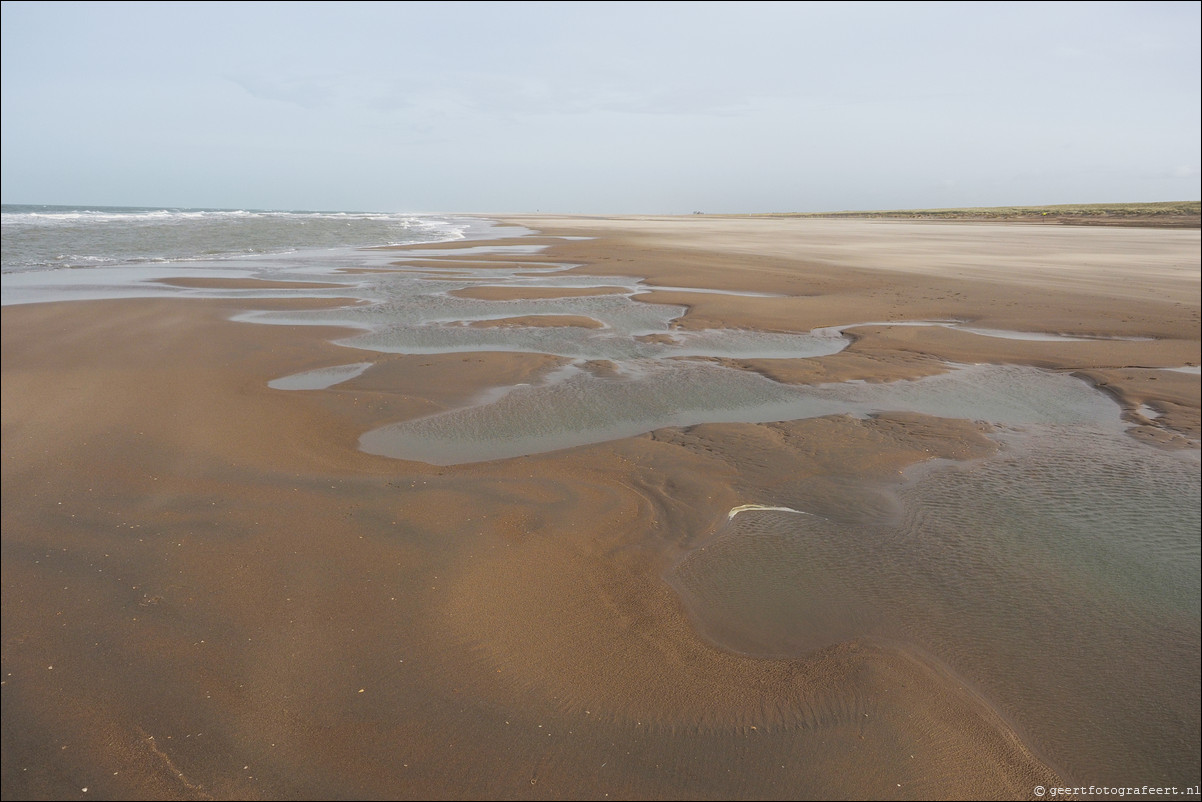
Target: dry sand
(209, 592)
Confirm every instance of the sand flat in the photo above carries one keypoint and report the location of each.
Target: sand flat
(1099, 283)
(1095, 261)
(209, 591)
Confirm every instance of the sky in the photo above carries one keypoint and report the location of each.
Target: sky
(599, 108)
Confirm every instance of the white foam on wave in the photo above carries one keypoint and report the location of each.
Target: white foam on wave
(108, 216)
(50, 217)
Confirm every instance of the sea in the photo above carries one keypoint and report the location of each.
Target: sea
(37, 237)
(1059, 578)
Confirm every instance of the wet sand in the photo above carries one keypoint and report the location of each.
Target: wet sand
(210, 592)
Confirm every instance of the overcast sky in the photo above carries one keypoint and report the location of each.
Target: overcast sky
(599, 107)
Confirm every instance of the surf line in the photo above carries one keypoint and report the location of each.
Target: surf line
(746, 507)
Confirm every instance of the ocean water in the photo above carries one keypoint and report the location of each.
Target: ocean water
(46, 237)
(1060, 577)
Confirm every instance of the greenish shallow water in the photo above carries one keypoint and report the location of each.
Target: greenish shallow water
(1059, 577)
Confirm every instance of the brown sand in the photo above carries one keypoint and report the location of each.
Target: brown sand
(209, 592)
(1090, 282)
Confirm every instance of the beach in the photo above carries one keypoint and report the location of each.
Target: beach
(211, 591)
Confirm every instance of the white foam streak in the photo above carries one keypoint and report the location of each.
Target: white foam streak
(757, 507)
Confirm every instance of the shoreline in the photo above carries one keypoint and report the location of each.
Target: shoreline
(219, 578)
